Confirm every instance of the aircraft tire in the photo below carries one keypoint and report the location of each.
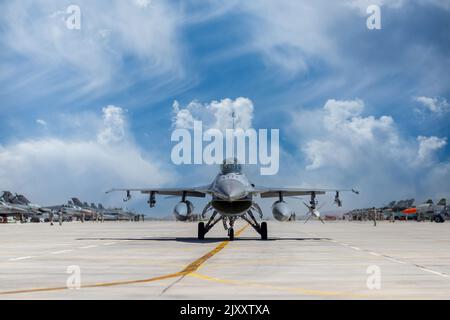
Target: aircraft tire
(201, 231)
(231, 234)
(263, 230)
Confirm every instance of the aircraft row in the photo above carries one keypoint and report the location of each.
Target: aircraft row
(406, 210)
(18, 207)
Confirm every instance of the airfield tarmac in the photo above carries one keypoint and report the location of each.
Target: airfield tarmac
(164, 260)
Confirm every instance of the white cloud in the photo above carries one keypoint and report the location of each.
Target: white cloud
(54, 169)
(90, 58)
(434, 104)
(363, 4)
(113, 129)
(289, 33)
(428, 146)
(215, 114)
(182, 118)
(41, 122)
(343, 147)
(295, 35)
(142, 3)
(348, 133)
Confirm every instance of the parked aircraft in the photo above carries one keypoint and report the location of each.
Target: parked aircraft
(428, 210)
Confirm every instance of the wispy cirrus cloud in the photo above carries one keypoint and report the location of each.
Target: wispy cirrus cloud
(92, 59)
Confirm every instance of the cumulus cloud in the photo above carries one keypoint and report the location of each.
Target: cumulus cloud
(343, 147)
(215, 114)
(348, 133)
(55, 169)
(434, 104)
(113, 129)
(428, 146)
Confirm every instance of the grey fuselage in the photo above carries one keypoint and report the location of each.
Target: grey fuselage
(231, 194)
(11, 210)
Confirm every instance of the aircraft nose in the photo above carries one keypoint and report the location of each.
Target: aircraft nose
(231, 190)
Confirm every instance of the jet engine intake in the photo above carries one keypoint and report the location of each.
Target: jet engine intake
(281, 211)
(183, 210)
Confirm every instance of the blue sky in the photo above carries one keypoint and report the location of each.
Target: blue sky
(355, 107)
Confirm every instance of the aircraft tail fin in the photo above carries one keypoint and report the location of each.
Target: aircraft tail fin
(77, 202)
(7, 196)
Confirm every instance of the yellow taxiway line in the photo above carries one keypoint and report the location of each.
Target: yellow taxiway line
(297, 290)
(192, 267)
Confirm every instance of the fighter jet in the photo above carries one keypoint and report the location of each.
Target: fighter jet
(8, 210)
(21, 204)
(232, 197)
(437, 212)
(70, 211)
(88, 212)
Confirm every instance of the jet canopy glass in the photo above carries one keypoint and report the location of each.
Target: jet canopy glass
(230, 166)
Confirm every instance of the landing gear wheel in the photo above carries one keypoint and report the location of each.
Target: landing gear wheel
(201, 231)
(263, 230)
(231, 234)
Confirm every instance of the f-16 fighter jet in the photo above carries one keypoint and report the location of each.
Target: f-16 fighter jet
(232, 196)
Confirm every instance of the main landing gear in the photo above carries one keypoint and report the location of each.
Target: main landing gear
(261, 228)
(228, 223)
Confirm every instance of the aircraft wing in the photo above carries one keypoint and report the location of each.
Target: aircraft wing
(199, 192)
(291, 192)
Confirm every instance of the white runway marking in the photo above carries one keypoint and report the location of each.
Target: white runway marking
(88, 247)
(21, 258)
(60, 252)
(394, 260)
(109, 243)
(434, 272)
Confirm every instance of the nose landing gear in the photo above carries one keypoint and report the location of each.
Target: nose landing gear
(231, 234)
(230, 229)
(201, 231)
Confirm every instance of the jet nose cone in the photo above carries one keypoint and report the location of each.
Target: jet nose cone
(231, 190)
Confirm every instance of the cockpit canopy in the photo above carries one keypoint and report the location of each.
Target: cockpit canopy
(230, 166)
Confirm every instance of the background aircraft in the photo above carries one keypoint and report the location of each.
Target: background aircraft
(428, 210)
(29, 210)
(7, 210)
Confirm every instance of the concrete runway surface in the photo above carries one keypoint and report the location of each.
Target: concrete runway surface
(164, 260)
